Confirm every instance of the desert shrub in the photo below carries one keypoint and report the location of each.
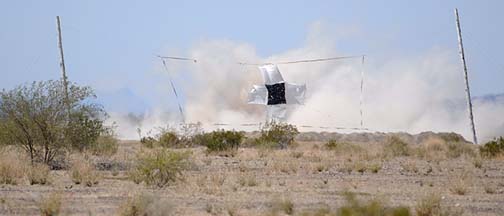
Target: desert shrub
(106, 145)
(50, 205)
(332, 144)
(279, 135)
(221, 140)
(182, 136)
(11, 169)
(451, 137)
(409, 166)
(432, 149)
(168, 139)
(149, 142)
(439, 149)
(457, 149)
(354, 207)
(40, 119)
(159, 168)
(145, 204)
(83, 172)
(38, 174)
(165, 139)
(187, 133)
(343, 147)
(395, 147)
(82, 131)
(493, 148)
(430, 205)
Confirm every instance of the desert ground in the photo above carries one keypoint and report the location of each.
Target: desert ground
(308, 178)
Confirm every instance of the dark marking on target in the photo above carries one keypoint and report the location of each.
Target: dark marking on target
(276, 94)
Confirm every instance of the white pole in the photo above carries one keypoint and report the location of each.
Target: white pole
(62, 64)
(362, 93)
(467, 89)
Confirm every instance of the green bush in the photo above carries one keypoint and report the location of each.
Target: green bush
(493, 148)
(221, 140)
(168, 139)
(43, 121)
(395, 147)
(159, 168)
(279, 135)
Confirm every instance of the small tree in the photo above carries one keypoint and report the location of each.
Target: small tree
(44, 122)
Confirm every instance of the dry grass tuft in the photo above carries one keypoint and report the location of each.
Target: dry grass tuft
(210, 184)
(438, 149)
(430, 205)
(410, 166)
(354, 206)
(11, 168)
(323, 166)
(478, 162)
(297, 154)
(51, 205)
(145, 204)
(489, 188)
(287, 167)
(83, 172)
(38, 174)
(460, 184)
(284, 205)
(249, 180)
(375, 167)
(343, 148)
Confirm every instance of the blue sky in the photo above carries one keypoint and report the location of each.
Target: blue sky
(110, 45)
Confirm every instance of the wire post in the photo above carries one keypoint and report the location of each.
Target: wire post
(62, 65)
(362, 57)
(467, 89)
(362, 93)
(174, 91)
